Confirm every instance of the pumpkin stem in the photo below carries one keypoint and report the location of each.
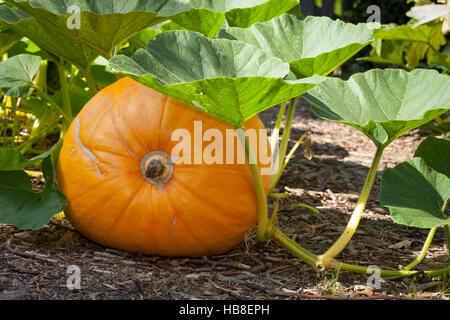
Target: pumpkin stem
(157, 168)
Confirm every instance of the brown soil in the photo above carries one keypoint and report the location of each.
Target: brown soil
(34, 264)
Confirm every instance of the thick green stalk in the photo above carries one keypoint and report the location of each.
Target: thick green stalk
(352, 225)
(276, 130)
(314, 260)
(41, 80)
(389, 273)
(295, 249)
(284, 142)
(67, 107)
(24, 146)
(259, 187)
(423, 252)
(446, 228)
(447, 237)
(53, 104)
(442, 57)
(90, 80)
(291, 153)
(14, 127)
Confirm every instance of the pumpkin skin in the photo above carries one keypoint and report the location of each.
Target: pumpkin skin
(203, 209)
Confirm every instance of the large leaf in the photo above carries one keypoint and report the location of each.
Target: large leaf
(387, 52)
(12, 160)
(7, 39)
(103, 24)
(17, 73)
(424, 41)
(228, 79)
(208, 16)
(22, 207)
(428, 13)
(436, 153)
(245, 13)
(383, 104)
(315, 45)
(415, 194)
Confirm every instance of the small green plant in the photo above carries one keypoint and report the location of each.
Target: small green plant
(329, 279)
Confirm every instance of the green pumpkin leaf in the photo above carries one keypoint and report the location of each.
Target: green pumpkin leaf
(415, 194)
(424, 41)
(24, 208)
(12, 160)
(7, 39)
(17, 73)
(53, 25)
(394, 99)
(200, 20)
(244, 14)
(387, 52)
(295, 40)
(427, 13)
(231, 80)
(436, 153)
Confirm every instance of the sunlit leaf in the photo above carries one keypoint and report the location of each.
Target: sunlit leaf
(17, 73)
(315, 45)
(228, 79)
(24, 208)
(394, 99)
(415, 194)
(56, 26)
(436, 153)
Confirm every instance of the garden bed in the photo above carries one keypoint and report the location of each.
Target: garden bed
(33, 264)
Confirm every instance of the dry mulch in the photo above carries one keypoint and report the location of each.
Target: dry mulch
(34, 264)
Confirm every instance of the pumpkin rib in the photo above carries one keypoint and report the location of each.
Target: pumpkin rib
(121, 138)
(142, 144)
(112, 152)
(124, 211)
(199, 198)
(162, 117)
(96, 214)
(211, 235)
(93, 188)
(97, 122)
(146, 217)
(190, 231)
(87, 151)
(177, 214)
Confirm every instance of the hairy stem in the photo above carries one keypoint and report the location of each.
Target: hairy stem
(14, 127)
(90, 80)
(441, 56)
(423, 252)
(284, 142)
(447, 236)
(295, 249)
(67, 107)
(259, 187)
(389, 273)
(314, 260)
(276, 130)
(53, 104)
(43, 133)
(352, 225)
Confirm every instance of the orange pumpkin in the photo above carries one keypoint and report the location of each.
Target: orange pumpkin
(126, 190)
